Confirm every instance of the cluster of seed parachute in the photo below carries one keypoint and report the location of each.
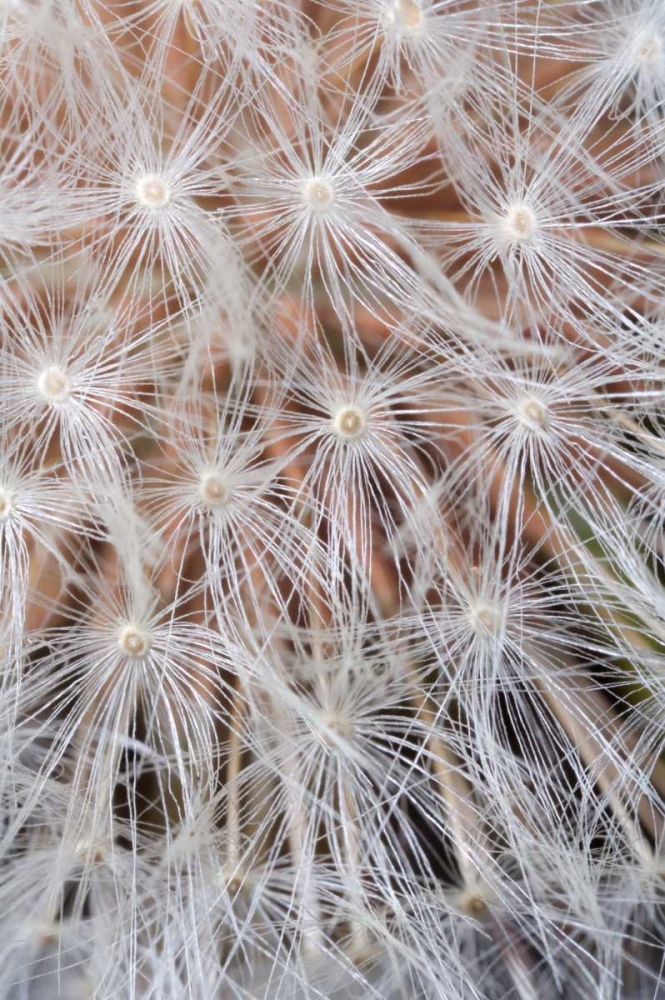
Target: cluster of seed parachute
(332, 497)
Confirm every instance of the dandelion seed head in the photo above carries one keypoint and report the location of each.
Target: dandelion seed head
(54, 385)
(153, 192)
(350, 423)
(305, 654)
(318, 194)
(134, 641)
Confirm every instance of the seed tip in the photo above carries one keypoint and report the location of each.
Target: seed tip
(350, 422)
(54, 385)
(134, 641)
(152, 192)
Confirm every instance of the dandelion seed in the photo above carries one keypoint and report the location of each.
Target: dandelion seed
(533, 414)
(350, 423)
(6, 503)
(133, 641)
(520, 224)
(334, 727)
(54, 385)
(406, 16)
(213, 489)
(485, 619)
(471, 900)
(153, 192)
(319, 194)
(649, 51)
